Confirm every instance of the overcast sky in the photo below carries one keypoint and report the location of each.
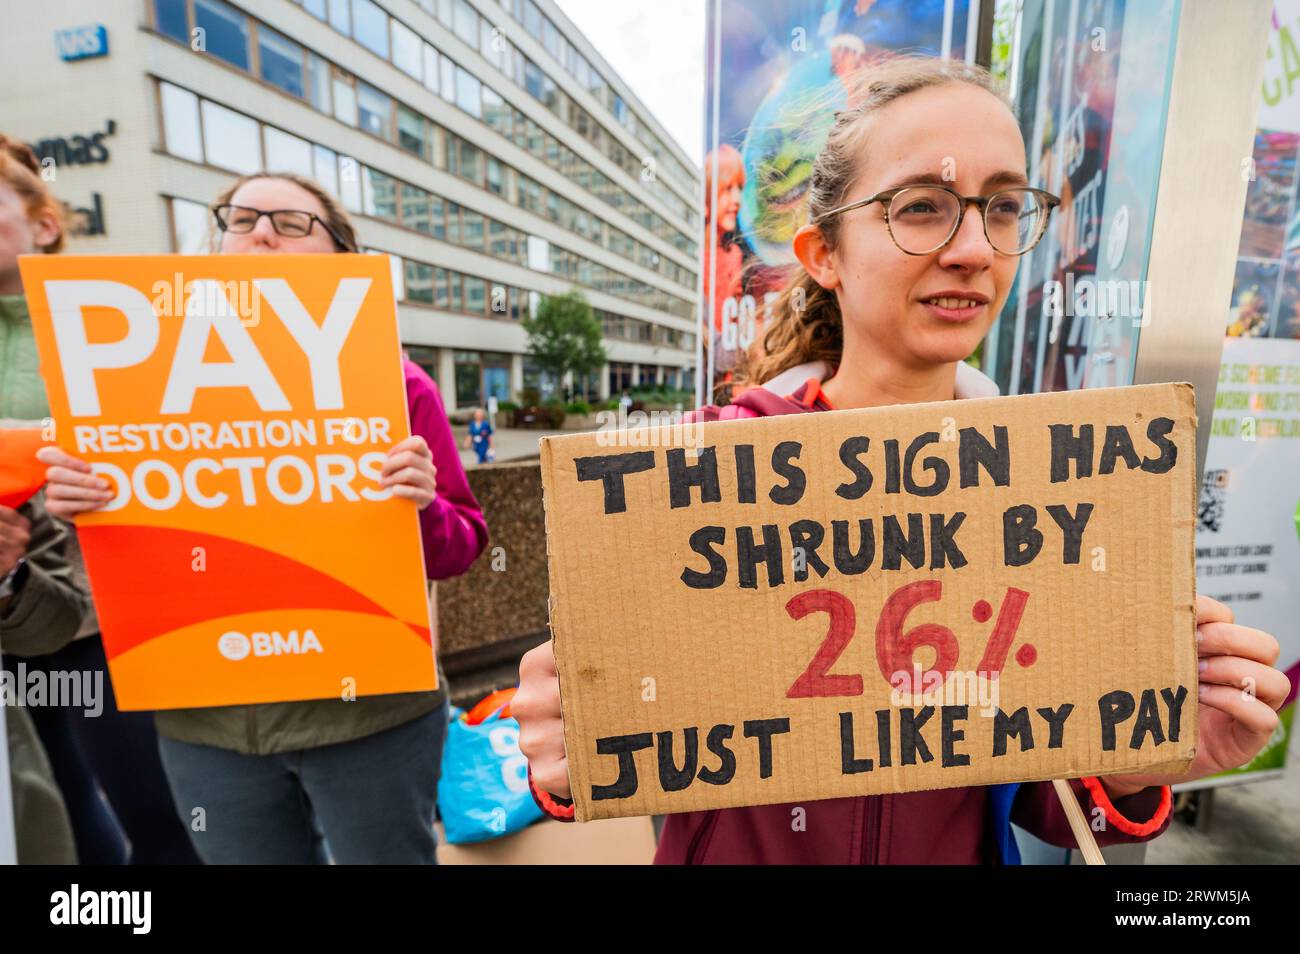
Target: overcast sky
(657, 47)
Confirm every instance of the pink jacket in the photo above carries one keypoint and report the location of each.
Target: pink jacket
(452, 527)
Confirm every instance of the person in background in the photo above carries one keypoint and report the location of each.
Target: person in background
(327, 779)
(480, 436)
(115, 752)
(41, 606)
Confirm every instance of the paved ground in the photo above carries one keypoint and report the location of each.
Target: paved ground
(509, 443)
(1257, 823)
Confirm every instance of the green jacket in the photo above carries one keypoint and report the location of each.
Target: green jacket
(255, 729)
(22, 392)
(40, 618)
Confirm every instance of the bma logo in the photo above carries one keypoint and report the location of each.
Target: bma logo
(236, 646)
(81, 43)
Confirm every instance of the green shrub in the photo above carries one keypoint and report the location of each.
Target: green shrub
(578, 407)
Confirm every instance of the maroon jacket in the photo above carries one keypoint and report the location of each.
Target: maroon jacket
(945, 826)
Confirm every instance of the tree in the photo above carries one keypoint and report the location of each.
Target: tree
(565, 336)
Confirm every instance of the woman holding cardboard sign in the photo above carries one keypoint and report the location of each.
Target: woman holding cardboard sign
(269, 780)
(920, 209)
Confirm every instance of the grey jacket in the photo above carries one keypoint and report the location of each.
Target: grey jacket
(41, 617)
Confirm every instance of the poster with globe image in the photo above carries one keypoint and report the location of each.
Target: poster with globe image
(777, 71)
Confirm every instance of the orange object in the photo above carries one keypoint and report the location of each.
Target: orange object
(490, 704)
(21, 474)
(241, 407)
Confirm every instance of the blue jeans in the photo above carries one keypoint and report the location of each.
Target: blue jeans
(368, 801)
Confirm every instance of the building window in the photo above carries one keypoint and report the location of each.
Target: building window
(379, 195)
(494, 175)
(440, 287)
(406, 49)
(374, 110)
(191, 228)
(318, 82)
(339, 16)
(231, 138)
(225, 31)
(533, 79)
(539, 254)
(453, 286)
(415, 208)
(453, 223)
(281, 61)
(465, 23)
(472, 230)
(430, 68)
(325, 163)
(550, 38)
(419, 282)
(171, 19)
(620, 377)
(496, 113)
(475, 295)
(468, 379)
(180, 110)
(532, 19)
(285, 153)
(447, 71)
(465, 160)
(316, 8)
(370, 27)
(410, 132)
(437, 217)
(469, 93)
(345, 98)
(496, 376)
(350, 183)
(487, 48)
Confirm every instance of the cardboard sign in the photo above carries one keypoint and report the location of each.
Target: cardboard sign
(241, 407)
(887, 600)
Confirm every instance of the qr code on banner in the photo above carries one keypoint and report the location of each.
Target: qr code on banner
(1213, 491)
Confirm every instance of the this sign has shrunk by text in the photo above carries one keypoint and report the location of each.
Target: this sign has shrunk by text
(885, 600)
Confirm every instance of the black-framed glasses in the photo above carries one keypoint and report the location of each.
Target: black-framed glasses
(922, 219)
(291, 223)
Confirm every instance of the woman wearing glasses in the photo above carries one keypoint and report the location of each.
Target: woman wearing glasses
(919, 212)
(296, 782)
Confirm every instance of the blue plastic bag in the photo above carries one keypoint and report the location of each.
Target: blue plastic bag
(483, 792)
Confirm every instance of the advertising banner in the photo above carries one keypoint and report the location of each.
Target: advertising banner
(777, 71)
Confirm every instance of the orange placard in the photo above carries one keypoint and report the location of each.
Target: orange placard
(21, 474)
(241, 407)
